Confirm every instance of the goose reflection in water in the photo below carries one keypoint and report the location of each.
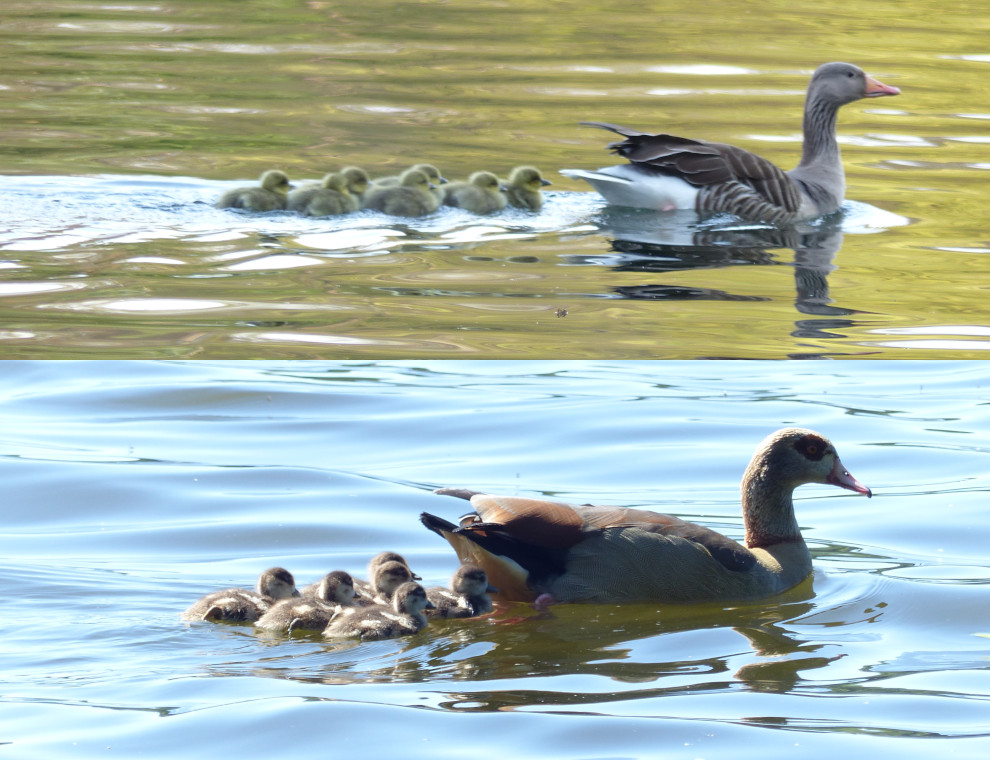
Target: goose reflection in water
(671, 242)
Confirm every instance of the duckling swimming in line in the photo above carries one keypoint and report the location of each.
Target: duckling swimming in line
(272, 195)
(334, 592)
(330, 198)
(412, 197)
(358, 182)
(481, 194)
(466, 597)
(380, 622)
(523, 188)
(240, 605)
(431, 172)
(366, 588)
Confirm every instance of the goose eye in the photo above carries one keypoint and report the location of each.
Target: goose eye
(812, 449)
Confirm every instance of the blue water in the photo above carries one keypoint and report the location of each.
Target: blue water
(133, 488)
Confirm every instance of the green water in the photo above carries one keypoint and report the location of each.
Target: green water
(122, 122)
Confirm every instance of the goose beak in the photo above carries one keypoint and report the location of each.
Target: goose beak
(840, 477)
(875, 89)
(545, 182)
(491, 590)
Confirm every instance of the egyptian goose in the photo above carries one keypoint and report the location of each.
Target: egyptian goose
(481, 194)
(413, 196)
(523, 188)
(334, 591)
(467, 596)
(404, 616)
(565, 553)
(240, 605)
(667, 172)
(367, 588)
(272, 195)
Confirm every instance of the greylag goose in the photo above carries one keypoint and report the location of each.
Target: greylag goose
(523, 188)
(413, 196)
(240, 605)
(271, 195)
(536, 550)
(481, 194)
(667, 172)
(404, 616)
(358, 181)
(467, 596)
(331, 197)
(334, 591)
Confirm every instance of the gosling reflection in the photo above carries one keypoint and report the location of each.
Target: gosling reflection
(652, 243)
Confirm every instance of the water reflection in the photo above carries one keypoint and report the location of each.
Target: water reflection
(658, 243)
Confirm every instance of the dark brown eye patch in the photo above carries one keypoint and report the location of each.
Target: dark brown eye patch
(811, 446)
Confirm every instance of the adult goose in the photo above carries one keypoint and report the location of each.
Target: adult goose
(535, 550)
(665, 172)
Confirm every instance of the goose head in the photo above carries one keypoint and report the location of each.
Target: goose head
(471, 581)
(840, 83)
(410, 599)
(336, 181)
(276, 181)
(277, 583)
(432, 173)
(357, 179)
(416, 179)
(486, 181)
(382, 557)
(389, 576)
(337, 587)
(528, 178)
(783, 461)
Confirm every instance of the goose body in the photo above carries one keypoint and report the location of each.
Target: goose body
(271, 195)
(666, 172)
(524, 188)
(333, 592)
(403, 617)
(534, 548)
(467, 596)
(331, 197)
(240, 605)
(481, 194)
(413, 196)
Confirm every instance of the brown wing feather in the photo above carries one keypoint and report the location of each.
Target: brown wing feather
(706, 164)
(547, 524)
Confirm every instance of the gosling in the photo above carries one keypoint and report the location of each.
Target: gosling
(523, 188)
(331, 197)
(412, 197)
(380, 622)
(241, 605)
(466, 597)
(272, 195)
(481, 194)
(334, 592)
(431, 172)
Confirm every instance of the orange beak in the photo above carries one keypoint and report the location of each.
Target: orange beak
(875, 89)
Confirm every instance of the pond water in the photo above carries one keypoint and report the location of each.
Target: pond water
(135, 487)
(123, 122)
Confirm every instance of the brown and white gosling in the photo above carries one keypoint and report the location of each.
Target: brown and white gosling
(405, 616)
(241, 605)
(272, 195)
(466, 597)
(333, 592)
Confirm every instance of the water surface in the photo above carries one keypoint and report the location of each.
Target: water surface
(133, 488)
(124, 122)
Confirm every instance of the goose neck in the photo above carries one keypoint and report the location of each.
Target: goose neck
(820, 144)
(768, 511)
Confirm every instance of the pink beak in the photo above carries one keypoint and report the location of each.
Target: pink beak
(875, 89)
(840, 477)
